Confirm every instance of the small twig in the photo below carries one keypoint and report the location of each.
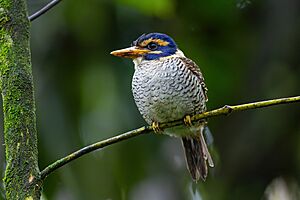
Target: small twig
(225, 110)
(43, 10)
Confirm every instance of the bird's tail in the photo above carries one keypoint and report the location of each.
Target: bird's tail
(197, 155)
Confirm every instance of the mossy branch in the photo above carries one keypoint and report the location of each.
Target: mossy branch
(16, 83)
(225, 110)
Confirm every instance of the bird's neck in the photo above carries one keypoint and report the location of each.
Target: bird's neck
(178, 53)
(137, 61)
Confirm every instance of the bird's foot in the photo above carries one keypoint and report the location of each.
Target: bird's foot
(187, 120)
(155, 127)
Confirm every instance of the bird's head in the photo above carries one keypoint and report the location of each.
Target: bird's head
(150, 46)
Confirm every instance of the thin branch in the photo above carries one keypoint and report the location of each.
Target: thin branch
(43, 10)
(225, 110)
(61, 162)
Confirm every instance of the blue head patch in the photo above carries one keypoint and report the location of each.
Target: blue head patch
(159, 44)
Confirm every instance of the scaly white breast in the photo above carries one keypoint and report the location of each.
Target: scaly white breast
(165, 90)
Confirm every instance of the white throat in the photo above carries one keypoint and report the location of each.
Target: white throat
(137, 61)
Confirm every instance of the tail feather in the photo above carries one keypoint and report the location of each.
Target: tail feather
(197, 156)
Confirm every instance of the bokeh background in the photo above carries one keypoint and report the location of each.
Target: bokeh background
(247, 50)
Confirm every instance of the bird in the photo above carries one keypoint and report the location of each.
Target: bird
(168, 86)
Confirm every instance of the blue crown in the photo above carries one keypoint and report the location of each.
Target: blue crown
(164, 44)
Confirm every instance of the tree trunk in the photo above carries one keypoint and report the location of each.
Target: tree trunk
(22, 172)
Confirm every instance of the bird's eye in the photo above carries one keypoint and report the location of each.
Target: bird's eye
(152, 46)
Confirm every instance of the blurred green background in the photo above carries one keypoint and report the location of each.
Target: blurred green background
(247, 51)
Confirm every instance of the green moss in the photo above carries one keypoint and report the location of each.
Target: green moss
(22, 173)
(4, 15)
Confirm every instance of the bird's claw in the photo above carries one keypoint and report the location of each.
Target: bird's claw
(155, 127)
(187, 120)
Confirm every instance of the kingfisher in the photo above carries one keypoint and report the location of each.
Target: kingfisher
(168, 86)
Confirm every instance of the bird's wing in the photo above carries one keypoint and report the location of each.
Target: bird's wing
(193, 67)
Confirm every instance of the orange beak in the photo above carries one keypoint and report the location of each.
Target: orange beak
(131, 52)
